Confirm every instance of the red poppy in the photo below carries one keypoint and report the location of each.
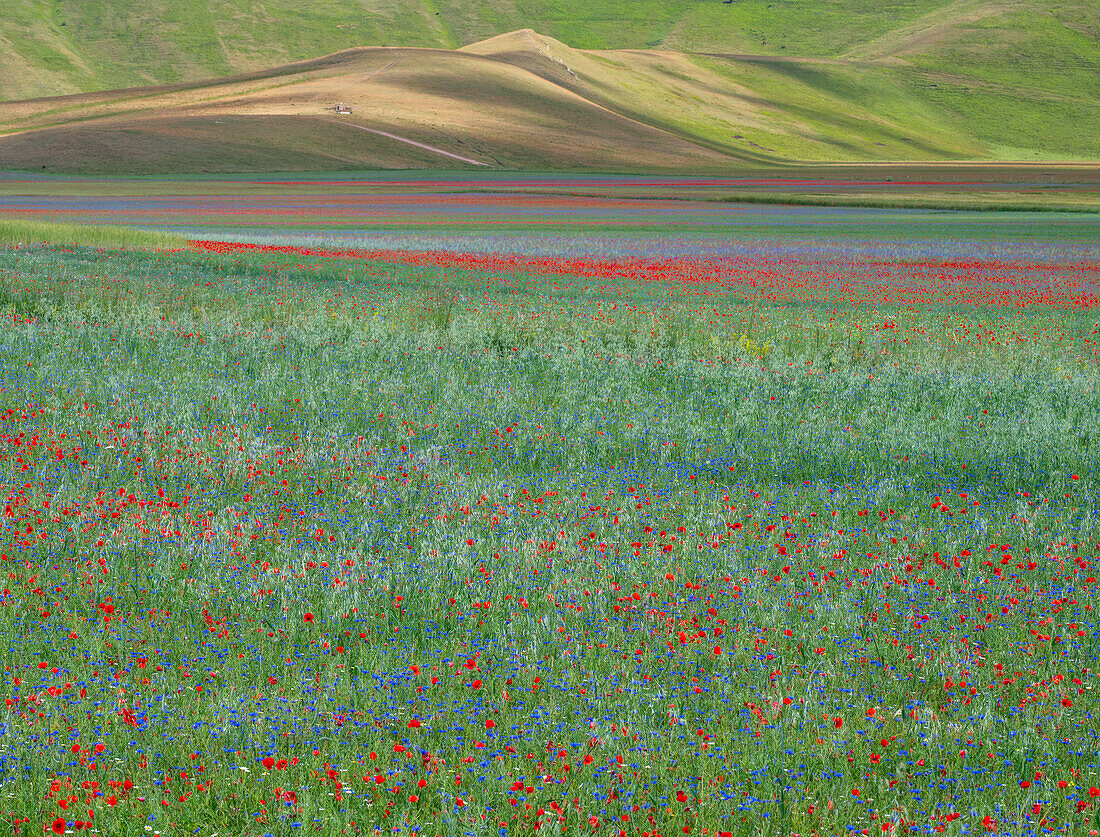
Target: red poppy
(308, 617)
(268, 762)
(58, 826)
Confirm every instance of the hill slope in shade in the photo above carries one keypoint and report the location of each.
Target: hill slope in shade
(523, 100)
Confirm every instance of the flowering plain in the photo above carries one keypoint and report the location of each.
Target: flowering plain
(786, 540)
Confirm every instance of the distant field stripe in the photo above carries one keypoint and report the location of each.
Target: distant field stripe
(16, 231)
(987, 282)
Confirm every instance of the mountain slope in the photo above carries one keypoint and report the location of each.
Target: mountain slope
(440, 104)
(50, 47)
(523, 100)
(520, 101)
(66, 46)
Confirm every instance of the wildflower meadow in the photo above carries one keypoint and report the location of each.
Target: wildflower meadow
(786, 540)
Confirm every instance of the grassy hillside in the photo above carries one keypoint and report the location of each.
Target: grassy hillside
(521, 101)
(703, 84)
(50, 47)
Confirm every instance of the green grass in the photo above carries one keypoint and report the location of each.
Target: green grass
(31, 233)
(195, 446)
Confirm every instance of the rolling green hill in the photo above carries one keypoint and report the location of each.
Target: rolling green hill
(50, 47)
(745, 80)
